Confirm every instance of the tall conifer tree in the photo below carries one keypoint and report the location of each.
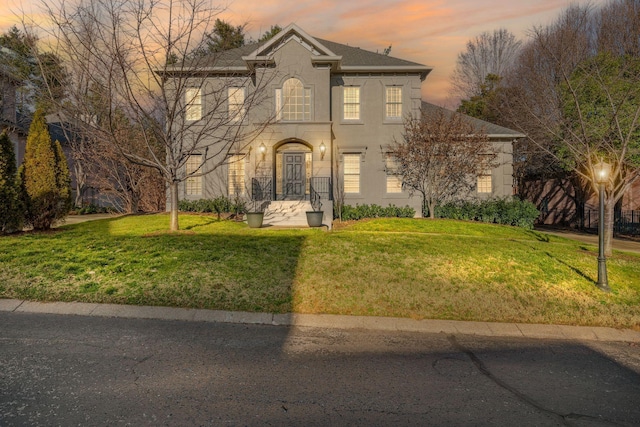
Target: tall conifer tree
(11, 214)
(45, 176)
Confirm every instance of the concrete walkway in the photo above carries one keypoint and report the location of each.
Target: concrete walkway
(618, 243)
(562, 332)
(76, 219)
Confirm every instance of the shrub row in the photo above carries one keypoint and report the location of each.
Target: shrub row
(506, 211)
(220, 204)
(91, 209)
(374, 211)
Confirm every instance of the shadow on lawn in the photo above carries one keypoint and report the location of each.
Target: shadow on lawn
(572, 268)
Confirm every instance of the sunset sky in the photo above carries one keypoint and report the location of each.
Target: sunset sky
(430, 32)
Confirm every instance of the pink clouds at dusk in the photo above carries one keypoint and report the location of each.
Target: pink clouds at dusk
(430, 32)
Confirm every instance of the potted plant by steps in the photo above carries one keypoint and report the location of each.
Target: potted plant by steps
(255, 217)
(314, 217)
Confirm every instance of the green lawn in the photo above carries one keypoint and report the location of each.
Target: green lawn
(413, 268)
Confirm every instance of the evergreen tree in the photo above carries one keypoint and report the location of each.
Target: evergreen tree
(10, 206)
(45, 176)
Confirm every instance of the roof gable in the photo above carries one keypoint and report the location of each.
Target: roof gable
(292, 32)
(319, 53)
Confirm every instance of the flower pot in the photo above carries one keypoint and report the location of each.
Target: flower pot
(314, 218)
(254, 219)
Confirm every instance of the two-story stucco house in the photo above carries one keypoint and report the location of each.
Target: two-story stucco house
(335, 110)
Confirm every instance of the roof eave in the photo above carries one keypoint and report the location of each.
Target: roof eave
(421, 69)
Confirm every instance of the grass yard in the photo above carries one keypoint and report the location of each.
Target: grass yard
(414, 268)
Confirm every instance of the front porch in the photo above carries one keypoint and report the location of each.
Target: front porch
(288, 208)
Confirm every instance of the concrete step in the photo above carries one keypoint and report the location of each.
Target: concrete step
(287, 213)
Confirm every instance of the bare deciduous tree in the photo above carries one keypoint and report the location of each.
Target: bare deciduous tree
(136, 59)
(485, 54)
(575, 95)
(440, 156)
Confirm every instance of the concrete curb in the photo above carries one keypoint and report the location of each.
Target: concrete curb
(562, 332)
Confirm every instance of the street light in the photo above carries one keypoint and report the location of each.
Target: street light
(602, 170)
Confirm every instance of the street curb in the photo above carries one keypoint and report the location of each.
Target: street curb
(488, 329)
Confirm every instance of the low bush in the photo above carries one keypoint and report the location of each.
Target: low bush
(219, 205)
(91, 208)
(350, 213)
(505, 211)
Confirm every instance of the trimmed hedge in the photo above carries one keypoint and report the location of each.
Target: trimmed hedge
(219, 205)
(375, 211)
(505, 211)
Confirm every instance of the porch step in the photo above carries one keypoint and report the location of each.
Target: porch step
(287, 213)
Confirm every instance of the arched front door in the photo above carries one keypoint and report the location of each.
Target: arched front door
(293, 171)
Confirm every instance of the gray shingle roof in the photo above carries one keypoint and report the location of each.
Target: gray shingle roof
(491, 129)
(354, 56)
(351, 56)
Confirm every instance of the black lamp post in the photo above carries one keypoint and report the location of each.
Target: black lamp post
(603, 170)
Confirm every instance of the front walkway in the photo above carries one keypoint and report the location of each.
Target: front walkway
(76, 219)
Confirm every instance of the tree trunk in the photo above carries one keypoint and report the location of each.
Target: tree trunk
(173, 194)
(432, 210)
(609, 206)
(80, 183)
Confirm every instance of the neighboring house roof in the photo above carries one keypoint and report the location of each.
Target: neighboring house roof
(492, 130)
(341, 57)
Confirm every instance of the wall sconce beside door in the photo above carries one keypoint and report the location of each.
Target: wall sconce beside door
(323, 149)
(263, 150)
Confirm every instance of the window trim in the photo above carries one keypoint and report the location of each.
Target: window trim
(397, 103)
(390, 172)
(357, 104)
(481, 182)
(236, 115)
(236, 165)
(193, 110)
(358, 174)
(282, 105)
(193, 184)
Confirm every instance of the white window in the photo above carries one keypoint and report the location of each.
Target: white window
(193, 183)
(394, 181)
(351, 173)
(293, 101)
(484, 182)
(236, 103)
(236, 175)
(393, 102)
(193, 102)
(351, 103)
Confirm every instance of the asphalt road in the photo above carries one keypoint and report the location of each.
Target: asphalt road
(75, 370)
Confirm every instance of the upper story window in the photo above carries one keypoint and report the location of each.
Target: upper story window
(393, 102)
(235, 100)
(193, 103)
(351, 107)
(293, 101)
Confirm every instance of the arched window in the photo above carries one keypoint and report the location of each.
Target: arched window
(293, 101)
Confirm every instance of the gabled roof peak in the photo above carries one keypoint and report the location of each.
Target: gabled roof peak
(264, 52)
